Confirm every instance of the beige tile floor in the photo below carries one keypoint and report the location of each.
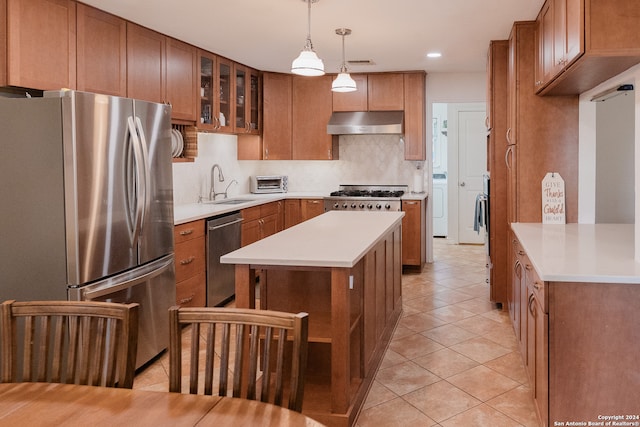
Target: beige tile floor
(453, 359)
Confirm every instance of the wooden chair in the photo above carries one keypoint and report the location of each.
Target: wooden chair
(265, 335)
(77, 342)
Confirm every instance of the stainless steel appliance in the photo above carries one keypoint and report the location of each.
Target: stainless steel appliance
(87, 205)
(366, 198)
(269, 184)
(223, 236)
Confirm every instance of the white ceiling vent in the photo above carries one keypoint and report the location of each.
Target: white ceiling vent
(360, 62)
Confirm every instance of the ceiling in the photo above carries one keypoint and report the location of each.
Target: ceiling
(394, 35)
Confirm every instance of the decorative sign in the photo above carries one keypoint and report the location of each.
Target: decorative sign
(553, 199)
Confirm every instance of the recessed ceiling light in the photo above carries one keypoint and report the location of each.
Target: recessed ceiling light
(434, 55)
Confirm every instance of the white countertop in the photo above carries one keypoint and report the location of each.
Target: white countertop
(597, 253)
(333, 239)
(194, 211)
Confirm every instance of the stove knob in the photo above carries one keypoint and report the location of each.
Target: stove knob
(361, 205)
(387, 206)
(345, 205)
(353, 205)
(336, 206)
(378, 206)
(370, 206)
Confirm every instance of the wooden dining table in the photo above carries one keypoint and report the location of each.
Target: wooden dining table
(52, 404)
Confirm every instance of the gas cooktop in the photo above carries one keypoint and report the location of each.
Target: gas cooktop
(366, 197)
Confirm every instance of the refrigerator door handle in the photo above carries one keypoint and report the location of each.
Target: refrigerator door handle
(141, 184)
(120, 282)
(146, 170)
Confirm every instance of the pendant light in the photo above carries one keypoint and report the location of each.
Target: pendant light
(344, 82)
(308, 63)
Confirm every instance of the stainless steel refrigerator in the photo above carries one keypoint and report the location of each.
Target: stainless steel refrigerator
(86, 207)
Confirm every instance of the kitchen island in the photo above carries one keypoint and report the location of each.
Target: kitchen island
(574, 305)
(344, 269)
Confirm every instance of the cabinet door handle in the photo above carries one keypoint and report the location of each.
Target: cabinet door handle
(187, 261)
(537, 285)
(186, 232)
(508, 135)
(186, 300)
(528, 267)
(532, 299)
(521, 253)
(506, 156)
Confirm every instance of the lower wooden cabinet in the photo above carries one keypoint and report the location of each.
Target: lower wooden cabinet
(261, 221)
(413, 233)
(300, 210)
(190, 264)
(578, 344)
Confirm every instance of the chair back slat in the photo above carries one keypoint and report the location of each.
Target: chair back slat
(81, 342)
(256, 348)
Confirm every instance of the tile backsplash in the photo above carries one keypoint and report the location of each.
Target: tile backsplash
(364, 159)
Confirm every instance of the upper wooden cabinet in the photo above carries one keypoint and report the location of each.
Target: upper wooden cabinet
(375, 92)
(582, 43)
(40, 44)
(246, 101)
(161, 69)
(414, 117)
(102, 52)
(181, 85)
(311, 110)
(386, 92)
(277, 94)
(357, 100)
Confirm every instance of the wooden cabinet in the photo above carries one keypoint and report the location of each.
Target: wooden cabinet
(277, 116)
(300, 210)
(357, 100)
(497, 61)
(415, 147)
(386, 92)
(246, 100)
(375, 92)
(261, 221)
(145, 64)
(413, 233)
(190, 264)
(40, 44)
(207, 84)
(537, 344)
(310, 208)
(392, 91)
(542, 135)
(161, 69)
(585, 42)
(102, 52)
(181, 85)
(311, 110)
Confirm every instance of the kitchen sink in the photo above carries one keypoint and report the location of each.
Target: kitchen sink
(229, 201)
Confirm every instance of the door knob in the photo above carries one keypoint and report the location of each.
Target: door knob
(462, 184)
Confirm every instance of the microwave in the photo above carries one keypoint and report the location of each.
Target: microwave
(269, 184)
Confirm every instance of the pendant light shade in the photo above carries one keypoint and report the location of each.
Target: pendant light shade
(308, 63)
(343, 82)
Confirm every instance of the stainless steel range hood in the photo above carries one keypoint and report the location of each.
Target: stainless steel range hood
(366, 122)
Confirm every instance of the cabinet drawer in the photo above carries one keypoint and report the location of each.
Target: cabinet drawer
(188, 231)
(189, 258)
(250, 214)
(192, 292)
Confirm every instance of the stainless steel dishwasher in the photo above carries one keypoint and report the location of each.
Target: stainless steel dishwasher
(223, 236)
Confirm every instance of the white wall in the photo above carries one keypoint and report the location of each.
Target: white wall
(587, 161)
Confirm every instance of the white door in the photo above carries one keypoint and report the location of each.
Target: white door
(472, 163)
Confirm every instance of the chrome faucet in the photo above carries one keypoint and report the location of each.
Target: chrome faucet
(212, 192)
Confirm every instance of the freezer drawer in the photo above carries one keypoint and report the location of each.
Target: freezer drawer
(153, 287)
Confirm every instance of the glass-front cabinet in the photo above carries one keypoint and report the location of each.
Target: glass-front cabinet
(207, 78)
(214, 109)
(247, 100)
(225, 113)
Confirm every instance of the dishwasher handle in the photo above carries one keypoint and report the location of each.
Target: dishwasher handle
(226, 224)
